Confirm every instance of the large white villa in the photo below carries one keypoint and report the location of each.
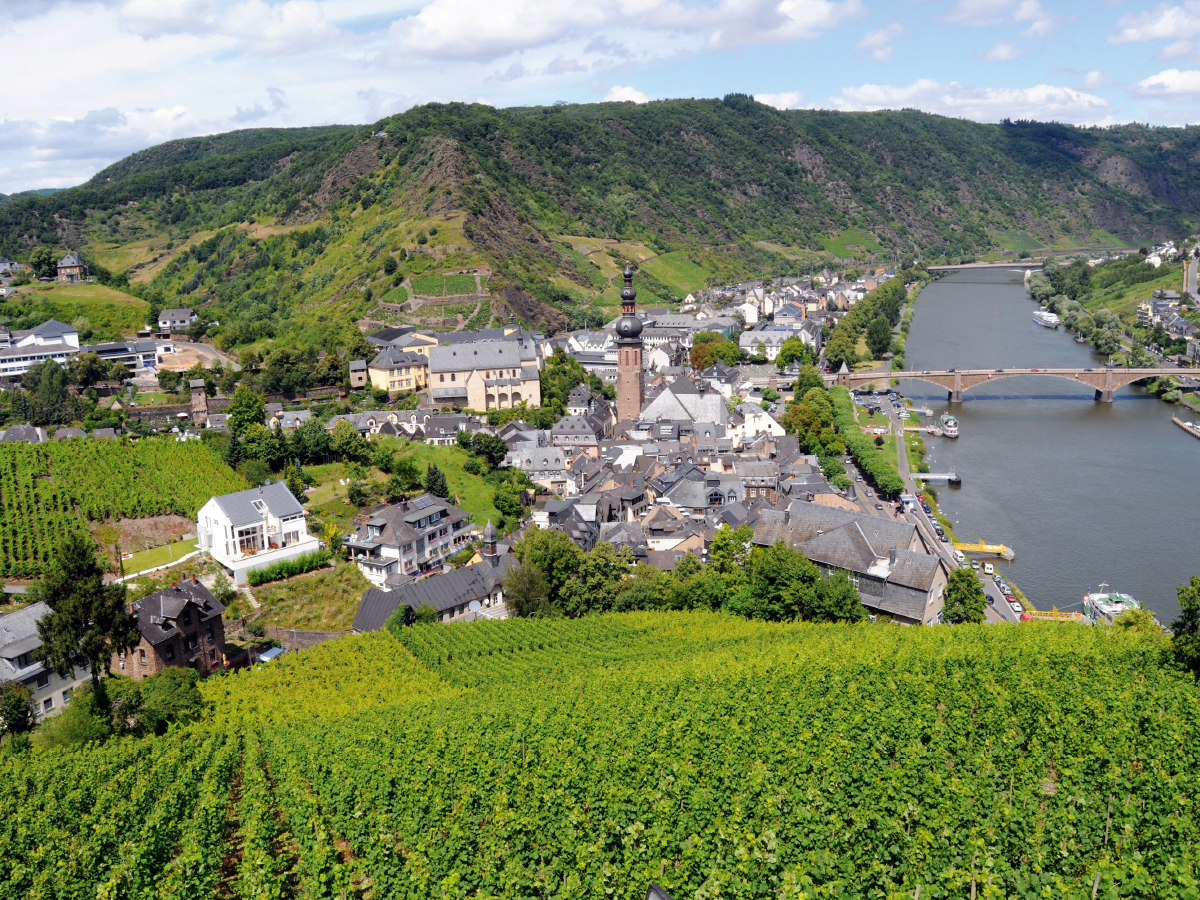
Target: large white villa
(253, 529)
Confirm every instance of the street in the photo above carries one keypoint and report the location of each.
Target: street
(998, 609)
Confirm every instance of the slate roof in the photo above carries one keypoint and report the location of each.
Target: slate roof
(53, 328)
(18, 630)
(480, 355)
(393, 357)
(240, 510)
(680, 402)
(158, 612)
(442, 592)
(171, 315)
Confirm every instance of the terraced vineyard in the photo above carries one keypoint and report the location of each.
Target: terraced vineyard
(716, 756)
(49, 489)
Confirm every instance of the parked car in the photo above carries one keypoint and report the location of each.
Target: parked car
(879, 506)
(943, 538)
(974, 564)
(1016, 607)
(988, 569)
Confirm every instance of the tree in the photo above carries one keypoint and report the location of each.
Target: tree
(435, 482)
(264, 444)
(424, 615)
(1185, 640)
(246, 408)
(44, 262)
(295, 484)
(16, 707)
(87, 620)
(169, 380)
(965, 600)
(526, 592)
(390, 265)
(793, 350)
(404, 478)
(346, 443)
(833, 599)
(710, 346)
(117, 371)
(879, 337)
(356, 492)
(46, 388)
(85, 369)
(490, 447)
(87, 718)
(730, 549)
(255, 471)
(310, 442)
(555, 555)
(808, 379)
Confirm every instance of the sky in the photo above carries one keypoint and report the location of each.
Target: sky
(90, 81)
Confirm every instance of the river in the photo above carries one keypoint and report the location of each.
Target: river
(1084, 492)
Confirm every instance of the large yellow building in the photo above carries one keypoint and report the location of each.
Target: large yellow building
(394, 370)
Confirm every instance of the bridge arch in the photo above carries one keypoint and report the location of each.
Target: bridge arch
(1104, 380)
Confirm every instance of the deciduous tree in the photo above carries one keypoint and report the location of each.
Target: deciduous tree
(965, 600)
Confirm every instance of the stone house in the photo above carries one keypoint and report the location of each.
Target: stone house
(182, 625)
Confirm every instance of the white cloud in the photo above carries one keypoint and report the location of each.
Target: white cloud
(1170, 83)
(1095, 80)
(279, 28)
(880, 43)
(381, 104)
(620, 93)
(1045, 102)
(1161, 24)
(151, 18)
(561, 66)
(278, 102)
(1002, 52)
(786, 100)
(738, 23)
(489, 29)
(997, 12)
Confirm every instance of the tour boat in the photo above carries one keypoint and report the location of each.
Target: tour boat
(1102, 606)
(949, 426)
(1046, 319)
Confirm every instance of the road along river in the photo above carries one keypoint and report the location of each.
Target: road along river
(1084, 492)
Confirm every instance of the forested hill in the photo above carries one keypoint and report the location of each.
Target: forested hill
(715, 188)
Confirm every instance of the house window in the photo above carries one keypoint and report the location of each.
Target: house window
(441, 378)
(212, 655)
(66, 696)
(208, 632)
(48, 704)
(142, 657)
(43, 679)
(451, 376)
(170, 654)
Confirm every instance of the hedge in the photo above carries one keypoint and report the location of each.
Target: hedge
(880, 468)
(288, 567)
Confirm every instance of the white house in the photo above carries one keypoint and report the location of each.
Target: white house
(18, 639)
(176, 319)
(755, 421)
(21, 349)
(254, 529)
(771, 341)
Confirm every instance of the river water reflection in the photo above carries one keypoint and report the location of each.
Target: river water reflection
(1084, 492)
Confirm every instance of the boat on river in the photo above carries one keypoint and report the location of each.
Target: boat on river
(1046, 319)
(1102, 606)
(949, 426)
(1080, 339)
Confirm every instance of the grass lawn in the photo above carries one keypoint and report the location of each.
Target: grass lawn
(109, 313)
(327, 499)
(324, 600)
(158, 556)
(678, 271)
(851, 242)
(1124, 300)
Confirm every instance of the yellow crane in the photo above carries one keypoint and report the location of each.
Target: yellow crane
(990, 549)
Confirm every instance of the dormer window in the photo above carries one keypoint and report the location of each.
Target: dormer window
(258, 505)
(372, 532)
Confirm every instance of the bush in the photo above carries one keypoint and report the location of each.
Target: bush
(85, 719)
(289, 567)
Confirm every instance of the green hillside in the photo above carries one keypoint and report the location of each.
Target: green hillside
(714, 756)
(299, 233)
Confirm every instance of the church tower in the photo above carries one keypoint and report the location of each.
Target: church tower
(631, 386)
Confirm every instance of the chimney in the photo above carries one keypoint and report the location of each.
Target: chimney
(194, 581)
(132, 609)
(892, 557)
(175, 584)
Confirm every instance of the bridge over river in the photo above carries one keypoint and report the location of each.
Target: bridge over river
(1104, 379)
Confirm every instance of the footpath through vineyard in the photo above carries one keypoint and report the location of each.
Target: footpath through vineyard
(715, 756)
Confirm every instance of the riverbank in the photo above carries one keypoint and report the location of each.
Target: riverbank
(1038, 455)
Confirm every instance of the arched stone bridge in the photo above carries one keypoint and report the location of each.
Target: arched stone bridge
(1104, 379)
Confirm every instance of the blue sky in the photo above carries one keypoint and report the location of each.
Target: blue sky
(127, 74)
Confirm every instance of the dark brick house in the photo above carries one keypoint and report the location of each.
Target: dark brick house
(180, 626)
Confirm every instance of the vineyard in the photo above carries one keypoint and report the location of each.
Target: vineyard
(718, 757)
(47, 490)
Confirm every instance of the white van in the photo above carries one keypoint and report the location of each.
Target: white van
(988, 569)
(958, 555)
